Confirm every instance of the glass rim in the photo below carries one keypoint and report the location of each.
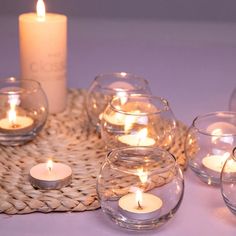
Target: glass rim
(212, 114)
(163, 101)
(168, 156)
(12, 80)
(234, 153)
(117, 74)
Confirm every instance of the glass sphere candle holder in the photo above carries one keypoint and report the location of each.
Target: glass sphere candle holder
(24, 110)
(228, 182)
(140, 188)
(138, 120)
(209, 142)
(232, 101)
(106, 86)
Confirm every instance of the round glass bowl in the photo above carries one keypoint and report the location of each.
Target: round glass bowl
(140, 188)
(232, 101)
(138, 120)
(209, 143)
(24, 110)
(106, 86)
(228, 182)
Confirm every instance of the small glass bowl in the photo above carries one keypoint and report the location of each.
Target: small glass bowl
(106, 86)
(140, 188)
(228, 182)
(232, 101)
(24, 110)
(138, 120)
(209, 142)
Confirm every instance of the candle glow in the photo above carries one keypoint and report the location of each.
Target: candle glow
(138, 139)
(49, 165)
(40, 9)
(142, 175)
(139, 198)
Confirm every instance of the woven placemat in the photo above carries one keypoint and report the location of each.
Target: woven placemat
(66, 138)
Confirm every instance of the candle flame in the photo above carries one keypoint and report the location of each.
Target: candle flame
(122, 95)
(142, 175)
(139, 198)
(49, 165)
(216, 132)
(142, 133)
(12, 116)
(130, 120)
(13, 101)
(40, 8)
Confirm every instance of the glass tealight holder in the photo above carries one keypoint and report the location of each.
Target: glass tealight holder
(140, 188)
(138, 120)
(106, 86)
(232, 101)
(24, 109)
(228, 182)
(209, 142)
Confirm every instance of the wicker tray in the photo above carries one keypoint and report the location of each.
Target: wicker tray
(66, 138)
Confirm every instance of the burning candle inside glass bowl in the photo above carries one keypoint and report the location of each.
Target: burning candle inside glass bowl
(107, 86)
(13, 121)
(209, 143)
(142, 120)
(140, 188)
(23, 110)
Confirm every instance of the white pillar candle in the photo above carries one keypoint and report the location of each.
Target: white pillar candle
(43, 54)
(50, 175)
(139, 205)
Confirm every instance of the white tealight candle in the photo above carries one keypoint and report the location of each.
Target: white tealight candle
(139, 139)
(216, 163)
(50, 175)
(14, 122)
(142, 206)
(21, 122)
(43, 53)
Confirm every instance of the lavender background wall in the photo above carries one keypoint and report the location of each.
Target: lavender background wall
(181, 10)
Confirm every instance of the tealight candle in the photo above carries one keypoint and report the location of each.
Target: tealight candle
(20, 122)
(14, 122)
(50, 175)
(139, 139)
(139, 205)
(216, 163)
(121, 119)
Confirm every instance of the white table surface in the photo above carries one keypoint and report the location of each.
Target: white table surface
(193, 65)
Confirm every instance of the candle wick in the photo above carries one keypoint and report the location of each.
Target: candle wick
(139, 206)
(14, 126)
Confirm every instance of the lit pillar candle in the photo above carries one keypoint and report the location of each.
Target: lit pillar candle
(138, 139)
(43, 53)
(50, 175)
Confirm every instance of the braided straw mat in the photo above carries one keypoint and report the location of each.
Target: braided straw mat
(65, 138)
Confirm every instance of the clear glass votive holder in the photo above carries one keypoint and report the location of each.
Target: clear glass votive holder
(232, 101)
(209, 143)
(228, 182)
(140, 188)
(138, 120)
(106, 86)
(24, 109)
